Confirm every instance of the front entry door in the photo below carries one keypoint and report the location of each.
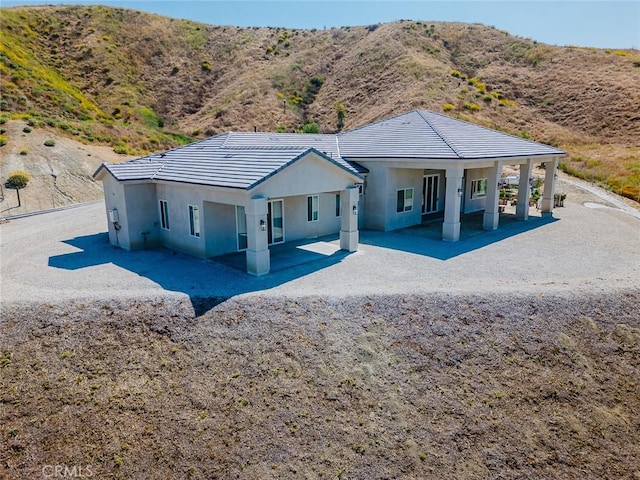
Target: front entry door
(275, 222)
(430, 193)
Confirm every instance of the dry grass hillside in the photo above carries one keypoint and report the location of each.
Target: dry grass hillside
(407, 387)
(142, 82)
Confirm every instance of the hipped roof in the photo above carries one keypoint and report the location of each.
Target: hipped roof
(245, 159)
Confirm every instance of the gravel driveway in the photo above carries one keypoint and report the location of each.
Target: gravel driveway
(590, 246)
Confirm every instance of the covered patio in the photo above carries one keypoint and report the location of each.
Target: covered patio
(491, 216)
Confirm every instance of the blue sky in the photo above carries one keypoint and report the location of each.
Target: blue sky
(603, 24)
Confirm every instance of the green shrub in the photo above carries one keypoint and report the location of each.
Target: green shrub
(206, 66)
(18, 179)
(2, 131)
(32, 122)
(120, 149)
(487, 98)
(26, 129)
(310, 128)
(49, 143)
(3, 140)
(636, 63)
(471, 106)
(447, 107)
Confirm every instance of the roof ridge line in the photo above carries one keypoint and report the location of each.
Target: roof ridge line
(442, 137)
(162, 165)
(375, 123)
(226, 139)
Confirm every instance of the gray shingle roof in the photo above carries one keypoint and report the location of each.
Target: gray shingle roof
(429, 135)
(207, 163)
(244, 159)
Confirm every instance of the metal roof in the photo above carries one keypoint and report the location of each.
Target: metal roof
(430, 135)
(244, 159)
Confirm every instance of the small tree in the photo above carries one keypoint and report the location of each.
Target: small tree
(18, 180)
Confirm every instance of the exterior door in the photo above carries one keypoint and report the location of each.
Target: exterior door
(275, 222)
(430, 193)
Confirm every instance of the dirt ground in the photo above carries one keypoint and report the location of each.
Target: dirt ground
(60, 175)
(373, 387)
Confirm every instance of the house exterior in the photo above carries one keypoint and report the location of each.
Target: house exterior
(246, 191)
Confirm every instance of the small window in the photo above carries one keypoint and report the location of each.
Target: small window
(405, 200)
(312, 208)
(194, 221)
(337, 204)
(479, 188)
(164, 214)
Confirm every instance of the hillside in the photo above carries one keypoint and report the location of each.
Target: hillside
(434, 387)
(141, 82)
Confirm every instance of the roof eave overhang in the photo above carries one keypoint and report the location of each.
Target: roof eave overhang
(443, 162)
(100, 172)
(207, 186)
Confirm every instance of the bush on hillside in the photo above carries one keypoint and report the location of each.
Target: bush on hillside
(310, 128)
(18, 179)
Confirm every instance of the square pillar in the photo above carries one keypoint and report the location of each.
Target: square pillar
(258, 255)
(549, 187)
(452, 202)
(491, 210)
(349, 220)
(524, 190)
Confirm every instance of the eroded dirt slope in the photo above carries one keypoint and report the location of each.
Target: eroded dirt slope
(372, 387)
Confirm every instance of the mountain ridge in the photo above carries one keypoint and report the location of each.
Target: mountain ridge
(142, 82)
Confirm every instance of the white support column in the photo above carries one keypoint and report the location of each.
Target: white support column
(524, 190)
(491, 211)
(349, 220)
(549, 187)
(453, 197)
(258, 255)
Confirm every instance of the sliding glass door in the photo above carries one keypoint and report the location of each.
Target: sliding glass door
(275, 221)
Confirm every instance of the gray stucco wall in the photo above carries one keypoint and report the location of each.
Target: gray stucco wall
(142, 216)
(473, 204)
(114, 198)
(401, 178)
(218, 223)
(382, 188)
(296, 225)
(178, 199)
(375, 203)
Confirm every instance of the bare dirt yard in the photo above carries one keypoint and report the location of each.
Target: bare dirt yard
(442, 387)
